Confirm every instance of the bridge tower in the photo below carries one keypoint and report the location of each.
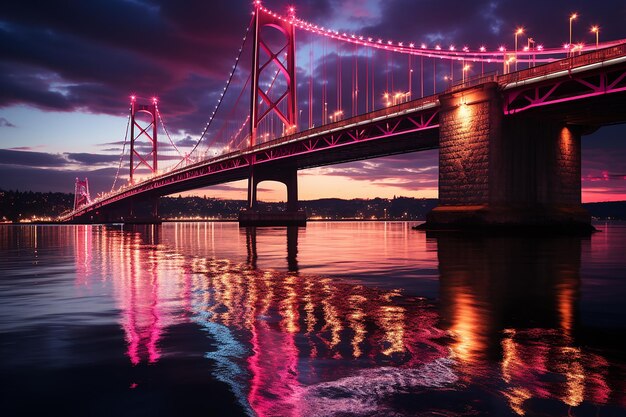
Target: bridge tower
(81, 193)
(267, 57)
(149, 160)
(272, 59)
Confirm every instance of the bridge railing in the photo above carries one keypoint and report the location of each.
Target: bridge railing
(593, 57)
(473, 81)
(387, 111)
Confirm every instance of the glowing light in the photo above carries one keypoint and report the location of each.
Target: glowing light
(483, 49)
(519, 31)
(596, 29)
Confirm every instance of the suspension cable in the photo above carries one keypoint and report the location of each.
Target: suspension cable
(232, 111)
(119, 166)
(168, 134)
(228, 82)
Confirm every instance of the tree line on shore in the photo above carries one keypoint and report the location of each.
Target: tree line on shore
(25, 205)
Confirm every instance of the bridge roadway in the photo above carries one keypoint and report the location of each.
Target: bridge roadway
(574, 90)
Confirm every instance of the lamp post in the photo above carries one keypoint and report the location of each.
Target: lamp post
(571, 19)
(596, 30)
(465, 69)
(482, 61)
(519, 31)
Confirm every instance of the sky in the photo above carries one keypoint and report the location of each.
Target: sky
(69, 67)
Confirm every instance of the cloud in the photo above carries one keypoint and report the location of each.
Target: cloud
(38, 179)
(92, 159)
(187, 141)
(408, 172)
(5, 123)
(34, 159)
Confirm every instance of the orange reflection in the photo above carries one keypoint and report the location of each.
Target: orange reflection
(286, 331)
(468, 330)
(489, 284)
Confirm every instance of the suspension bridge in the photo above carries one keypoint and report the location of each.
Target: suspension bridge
(507, 123)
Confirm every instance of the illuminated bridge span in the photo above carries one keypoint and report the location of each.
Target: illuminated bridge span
(508, 128)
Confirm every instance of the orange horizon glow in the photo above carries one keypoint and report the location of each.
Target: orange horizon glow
(316, 187)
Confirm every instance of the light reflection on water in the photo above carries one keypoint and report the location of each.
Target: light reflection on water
(334, 319)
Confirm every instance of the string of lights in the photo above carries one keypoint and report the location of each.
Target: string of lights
(119, 166)
(225, 89)
(482, 54)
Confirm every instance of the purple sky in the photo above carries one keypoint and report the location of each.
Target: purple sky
(68, 68)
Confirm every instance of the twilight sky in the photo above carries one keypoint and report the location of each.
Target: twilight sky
(69, 67)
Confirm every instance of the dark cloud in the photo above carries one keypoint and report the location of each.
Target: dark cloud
(410, 172)
(5, 123)
(34, 159)
(92, 159)
(187, 141)
(37, 179)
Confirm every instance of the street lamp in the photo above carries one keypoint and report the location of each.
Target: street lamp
(571, 18)
(519, 31)
(507, 64)
(596, 30)
(465, 69)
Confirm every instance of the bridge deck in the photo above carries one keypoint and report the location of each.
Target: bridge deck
(406, 127)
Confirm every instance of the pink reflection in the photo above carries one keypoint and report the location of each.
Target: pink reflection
(297, 323)
(301, 334)
(142, 282)
(83, 253)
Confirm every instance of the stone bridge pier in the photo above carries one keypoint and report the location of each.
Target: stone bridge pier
(292, 215)
(496, 172)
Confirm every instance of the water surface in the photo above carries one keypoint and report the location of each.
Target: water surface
(335, 319)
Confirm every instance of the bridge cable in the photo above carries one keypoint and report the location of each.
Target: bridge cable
(267, 92)
(119, 166)
(223, 94)
(232, 111)
(168, 134)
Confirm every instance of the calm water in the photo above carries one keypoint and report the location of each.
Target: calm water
(338, 319)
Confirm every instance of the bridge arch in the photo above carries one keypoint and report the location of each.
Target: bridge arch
(288, 177)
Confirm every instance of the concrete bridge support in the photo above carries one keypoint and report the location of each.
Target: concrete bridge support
(252, 216)
(144, 211)
(516, 172)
